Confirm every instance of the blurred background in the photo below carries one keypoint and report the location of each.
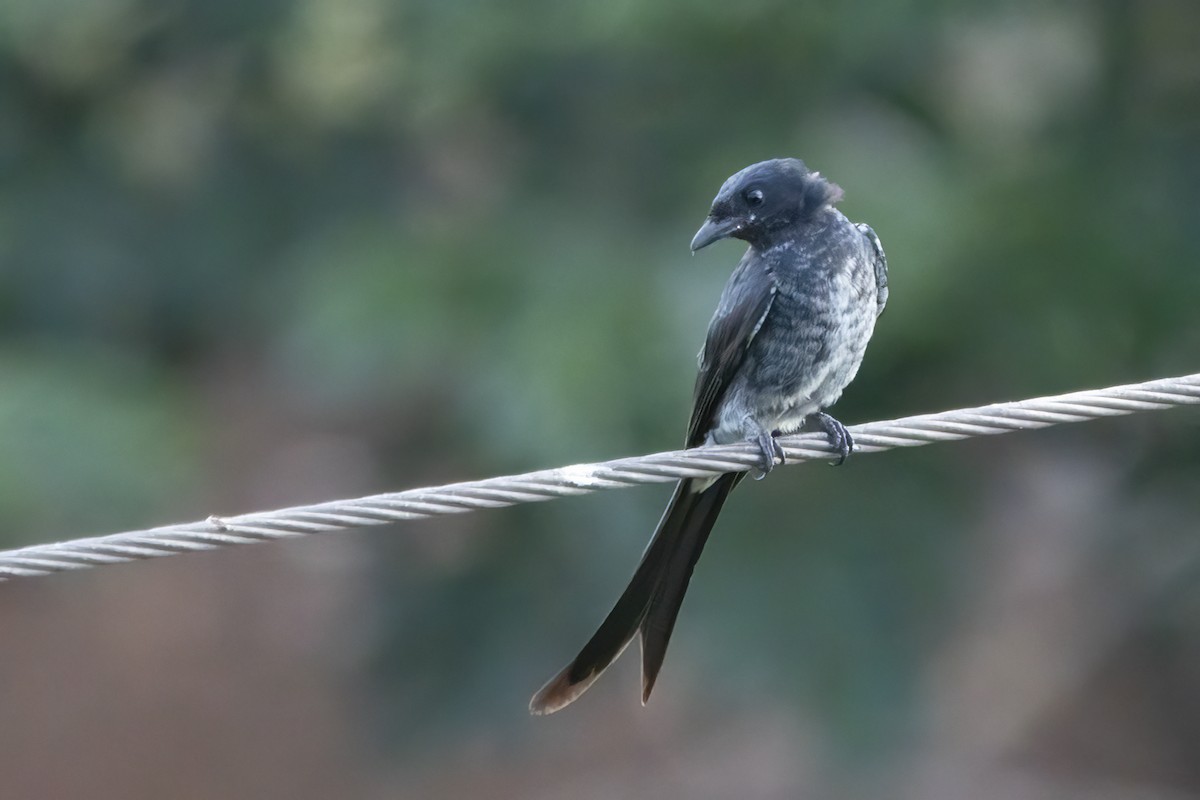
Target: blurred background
(262, 254)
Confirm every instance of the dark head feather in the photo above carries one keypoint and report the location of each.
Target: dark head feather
(763, 199)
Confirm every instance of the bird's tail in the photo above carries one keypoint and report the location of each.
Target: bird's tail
(651, 602)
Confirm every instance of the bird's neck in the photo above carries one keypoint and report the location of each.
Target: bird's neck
(795, 234)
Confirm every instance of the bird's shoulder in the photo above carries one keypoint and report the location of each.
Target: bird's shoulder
(881, 267)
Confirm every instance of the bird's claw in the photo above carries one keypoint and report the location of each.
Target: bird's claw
(839, 437)
(771, 450)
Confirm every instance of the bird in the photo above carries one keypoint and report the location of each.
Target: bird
(787, 337)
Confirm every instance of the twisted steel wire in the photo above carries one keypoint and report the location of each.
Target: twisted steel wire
(457, 498)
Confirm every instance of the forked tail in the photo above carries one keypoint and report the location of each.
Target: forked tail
(651, 602)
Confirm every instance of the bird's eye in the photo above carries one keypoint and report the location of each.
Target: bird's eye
(754, 198)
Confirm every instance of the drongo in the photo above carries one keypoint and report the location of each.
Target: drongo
(787, 337)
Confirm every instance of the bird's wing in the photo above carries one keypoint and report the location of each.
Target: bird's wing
(881, 272)
(744, 306)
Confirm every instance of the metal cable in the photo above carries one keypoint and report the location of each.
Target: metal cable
(457, 498)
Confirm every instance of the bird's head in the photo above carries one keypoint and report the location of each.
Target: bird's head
(762, 200)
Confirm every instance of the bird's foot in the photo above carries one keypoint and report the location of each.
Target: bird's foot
(839, 438)
(771, 450)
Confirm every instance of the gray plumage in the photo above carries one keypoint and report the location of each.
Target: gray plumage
(787, 338)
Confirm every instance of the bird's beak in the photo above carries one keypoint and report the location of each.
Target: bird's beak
(713, 230)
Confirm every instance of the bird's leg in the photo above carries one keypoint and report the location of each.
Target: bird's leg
(771, 450)
(839, 438)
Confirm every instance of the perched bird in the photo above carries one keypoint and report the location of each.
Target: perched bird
(788, 335)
